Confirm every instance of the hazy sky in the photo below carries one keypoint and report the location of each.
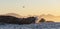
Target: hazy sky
(32, 7)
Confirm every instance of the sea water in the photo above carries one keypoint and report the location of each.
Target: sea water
(31, 26)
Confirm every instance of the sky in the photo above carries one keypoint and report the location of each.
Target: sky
(31, 7)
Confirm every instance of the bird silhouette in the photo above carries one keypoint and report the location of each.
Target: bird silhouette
(23, 6)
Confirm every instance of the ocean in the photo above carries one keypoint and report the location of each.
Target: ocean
(45, 25)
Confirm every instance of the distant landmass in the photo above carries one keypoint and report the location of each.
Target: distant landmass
(50, 17)
(15, 20)
(41, 18)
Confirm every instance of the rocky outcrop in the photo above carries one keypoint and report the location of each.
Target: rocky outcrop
(28, 20)
(14, 20)
(42, 20)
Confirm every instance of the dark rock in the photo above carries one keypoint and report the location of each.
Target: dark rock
(42, 20)
(49, 21)
(14, 20)
(28, 20)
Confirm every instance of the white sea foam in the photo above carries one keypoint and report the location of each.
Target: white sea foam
(31, 26)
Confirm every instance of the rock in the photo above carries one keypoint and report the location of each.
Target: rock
(14, 20)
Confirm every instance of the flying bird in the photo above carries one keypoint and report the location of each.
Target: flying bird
(23, 6)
